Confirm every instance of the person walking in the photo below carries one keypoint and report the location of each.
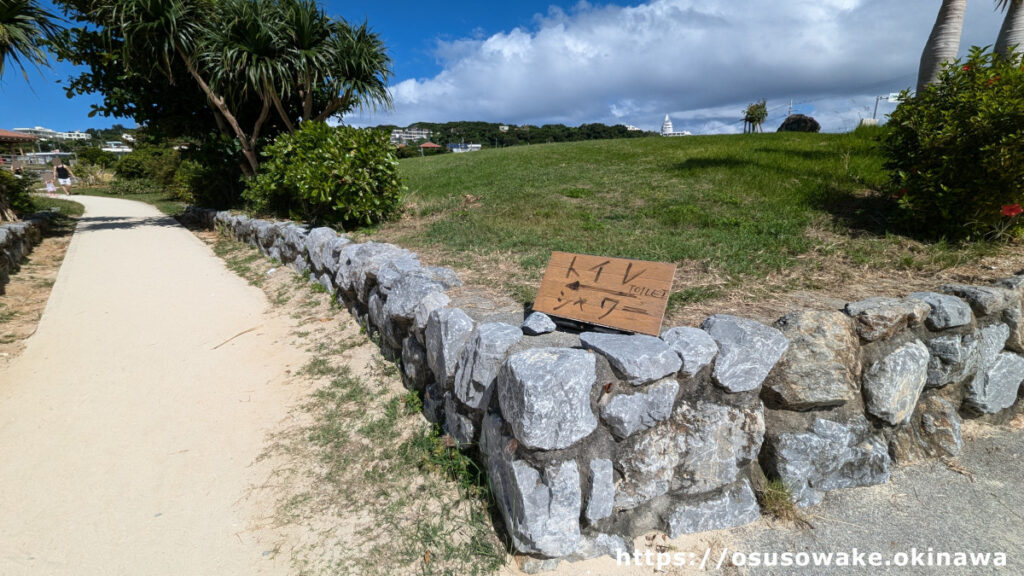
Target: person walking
(62, 174)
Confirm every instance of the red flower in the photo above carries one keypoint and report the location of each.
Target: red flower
(966, 68)
(1011, 210)
(900, 194)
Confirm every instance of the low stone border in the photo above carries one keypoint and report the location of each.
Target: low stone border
(593, 439)
(17, 239)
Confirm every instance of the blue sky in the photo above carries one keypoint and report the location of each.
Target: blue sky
(701, 61)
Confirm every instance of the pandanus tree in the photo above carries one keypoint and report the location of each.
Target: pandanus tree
(262, 66)
(943, 42)
(1011, 35)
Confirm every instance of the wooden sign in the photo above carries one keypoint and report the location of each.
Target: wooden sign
(628, 295)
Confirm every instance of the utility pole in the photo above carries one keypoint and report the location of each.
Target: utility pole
(790, 113)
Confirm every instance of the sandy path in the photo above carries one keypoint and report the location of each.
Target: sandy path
(126, 435)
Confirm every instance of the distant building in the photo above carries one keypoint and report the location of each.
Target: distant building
(503, 128)
(407, 135)
(460, 148)
(116, 147)
(631, 128)
(48, 134)
(666, 129)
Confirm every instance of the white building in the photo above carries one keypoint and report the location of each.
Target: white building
(117, 147)
(408, 135)
(460, 148)
(666, 129)
(48, 134)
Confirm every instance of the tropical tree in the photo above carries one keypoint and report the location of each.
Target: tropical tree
(943, 43)
(1011, 35)
(754, 116)
(24, 28)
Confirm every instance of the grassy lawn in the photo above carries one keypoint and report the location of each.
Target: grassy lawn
(751, 214)
(66, 207)
(162, 201)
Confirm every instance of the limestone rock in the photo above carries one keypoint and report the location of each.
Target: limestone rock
(406, 294)
(602, 490)
(395, 269)
(996, 387)
(414, 363)
(315, 240)
(934, 431)
(984, 300)
(695, 347)
(946, 311)
(626, 414)
(457, 425)
(747, 351)
(702, 447)
(429, 303)
(954, 358)
(893, 384)
(881, 318)
(544, 395)
(538, 323)
(541, 508)
(734, 506)
(480, 361)
(447, 332)
(829, 457)
(821, 367)
(639, 358)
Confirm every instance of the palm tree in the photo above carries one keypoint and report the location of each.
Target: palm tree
(1011, 35)
(24, 28)
(943, 43)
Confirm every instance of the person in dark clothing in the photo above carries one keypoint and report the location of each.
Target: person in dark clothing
(63, 174)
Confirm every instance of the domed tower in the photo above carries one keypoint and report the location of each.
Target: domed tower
(666, 126)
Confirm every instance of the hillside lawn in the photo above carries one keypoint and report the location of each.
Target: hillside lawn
(757, 224)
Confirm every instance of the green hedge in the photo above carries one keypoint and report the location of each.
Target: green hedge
(329, 175)
(956, 151)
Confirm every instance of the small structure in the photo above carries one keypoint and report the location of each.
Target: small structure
(409, 135)
(460, 148)
(116, 147)
(12, 146)
(668, 132)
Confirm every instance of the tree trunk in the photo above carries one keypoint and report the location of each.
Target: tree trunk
(6, 214)
(943, 43)
(1011, 35)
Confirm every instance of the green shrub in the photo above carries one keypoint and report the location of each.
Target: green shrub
(14, 192)
(325, 174)
(97, 157)
(956, 151)
(151, 162)
(209, 174)
(123, 187)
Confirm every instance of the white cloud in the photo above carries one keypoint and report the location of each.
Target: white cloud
(702, 62)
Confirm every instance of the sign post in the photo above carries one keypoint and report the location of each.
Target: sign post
(629, 295)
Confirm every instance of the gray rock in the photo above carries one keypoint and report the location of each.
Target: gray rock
(639, 358)
(893, 383)
(538, 323)
(934, 431)
(997, 386)
(372, 258)
(447, 332)
(701, 448)
(406, 294)
(541, 508)
(457, 425)
(330, 252)
(954, 358)
(480, 361)
(429, 303)
(414, 363)
(395, 269)
(695, 348)
(984, 300)
(821, 368)
(626, 414)
(433, 403)
(443, 276)
(829, 457)
(544, 394)
(734, 506)
(315, 240)
(946, 311)
(589, 547)
(602, 490)
(1013, 317)
(881, 318)
(747, 351)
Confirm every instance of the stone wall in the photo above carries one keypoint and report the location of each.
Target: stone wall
(17, 240)
(592, 438)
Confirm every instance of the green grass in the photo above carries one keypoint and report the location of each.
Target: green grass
(163, 202)
(740, 207)
(65, 207)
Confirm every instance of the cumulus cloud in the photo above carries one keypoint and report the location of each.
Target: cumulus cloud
(701, 62)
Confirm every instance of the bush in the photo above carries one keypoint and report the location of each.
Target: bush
(956, 151)
(151, 162)
(328, 175)
(14, 192)
(97, 157)
(209, 174)
(122, 187)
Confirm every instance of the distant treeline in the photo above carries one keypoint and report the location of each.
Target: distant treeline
(491, 136)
